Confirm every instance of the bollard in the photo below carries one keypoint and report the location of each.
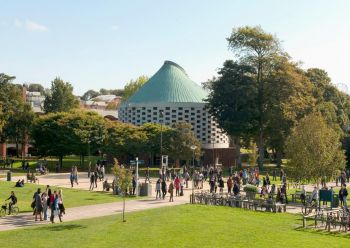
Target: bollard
(9, 176)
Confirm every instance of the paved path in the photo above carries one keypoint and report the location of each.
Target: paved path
(85, 212)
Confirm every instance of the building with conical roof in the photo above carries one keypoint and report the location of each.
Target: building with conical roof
(170, 96)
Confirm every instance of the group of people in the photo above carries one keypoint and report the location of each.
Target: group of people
(162, 189)
(97, 174)
(42, 202)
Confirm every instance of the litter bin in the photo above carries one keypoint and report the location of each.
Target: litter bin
(145, 189)
(9, 175)
(335, 202)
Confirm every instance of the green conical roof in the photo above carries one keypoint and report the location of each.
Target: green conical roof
(170, 84)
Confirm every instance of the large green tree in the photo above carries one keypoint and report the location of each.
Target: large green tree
(314, 150)
(181, 141)
(233, 102)
(257, 48)
(19, 125)
(11, 100)
(64, 133)
(288, 98)
(60, 98)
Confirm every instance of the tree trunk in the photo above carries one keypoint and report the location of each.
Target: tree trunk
(124, 208)
(238, 159)
(278, 158)
(17, 149)
(261, 117)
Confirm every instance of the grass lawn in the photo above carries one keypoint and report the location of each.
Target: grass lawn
(179, 226)
(72, 197)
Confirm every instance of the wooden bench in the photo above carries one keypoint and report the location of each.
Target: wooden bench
(32, 178)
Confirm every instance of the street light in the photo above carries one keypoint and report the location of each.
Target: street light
(161, 136)
(213, 141)
(193, 148)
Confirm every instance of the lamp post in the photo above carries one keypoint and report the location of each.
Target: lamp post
(161, 137)
(193, 148)
(213, 141)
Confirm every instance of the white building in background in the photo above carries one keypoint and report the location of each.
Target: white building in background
(169, 96)
(36, 100)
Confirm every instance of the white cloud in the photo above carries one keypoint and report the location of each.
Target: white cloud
(30, 26)
(114, 27)
(33, 26)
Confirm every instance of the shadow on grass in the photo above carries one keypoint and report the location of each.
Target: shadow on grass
(65, 227)
(322, 231)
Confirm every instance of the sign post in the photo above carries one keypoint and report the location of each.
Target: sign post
(137, 176)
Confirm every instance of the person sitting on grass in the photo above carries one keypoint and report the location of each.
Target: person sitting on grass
(19, 183)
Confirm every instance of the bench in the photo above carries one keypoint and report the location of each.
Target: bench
(32, 178)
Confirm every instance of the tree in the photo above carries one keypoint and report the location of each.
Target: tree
(124, 139)
(255, 47)
(19, 125)
(181, 141)
(89, 95)
(314, 150)
(61, 98)
(10, 101)
(123, 179)
(36, 88)
(233, 102)
(65, 133)
(131, 87)
(288, 98)
(154, 131)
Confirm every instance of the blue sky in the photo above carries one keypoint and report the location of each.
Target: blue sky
(95, 44)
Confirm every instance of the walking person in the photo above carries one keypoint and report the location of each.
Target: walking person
(95, 177)
(45, 201)
(38, 205)
(71, 178)
(76, 175)
(221, 185)
(61, 208)
(158, 186)
(344, 193)
(133, 185)
(164, 189)
(55, 207)
(171, 191)
(92, 181)
(229, 185)
(177, 186)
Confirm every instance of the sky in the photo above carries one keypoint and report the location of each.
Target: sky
(105, 44)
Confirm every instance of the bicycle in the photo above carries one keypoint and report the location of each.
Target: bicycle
(13, 211)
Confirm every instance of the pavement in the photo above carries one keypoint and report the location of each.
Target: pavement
(99, 210)
(92, 211)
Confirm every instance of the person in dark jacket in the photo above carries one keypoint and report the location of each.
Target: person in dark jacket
(164, 188)
(344, 194)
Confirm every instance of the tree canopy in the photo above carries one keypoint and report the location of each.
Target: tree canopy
(314, 150)
(60, 98)
(131, 87)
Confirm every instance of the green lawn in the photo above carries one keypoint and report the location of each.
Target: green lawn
(72, 197)
(179, 226)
